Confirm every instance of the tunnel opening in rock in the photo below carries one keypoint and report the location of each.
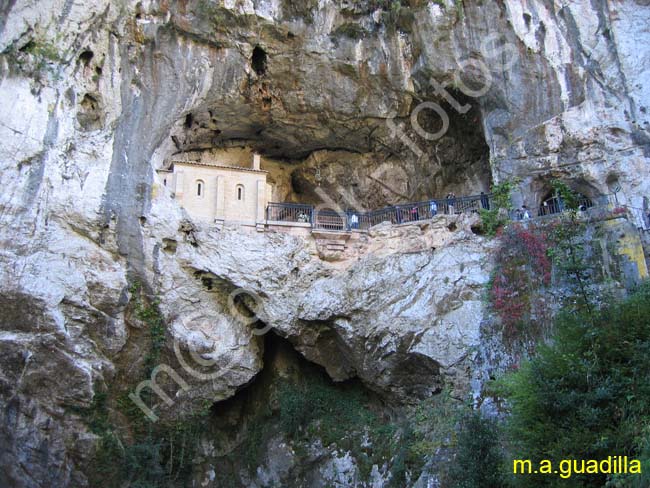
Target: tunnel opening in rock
(553, 203)
(259, 61)
(282, 411)
(86, 57)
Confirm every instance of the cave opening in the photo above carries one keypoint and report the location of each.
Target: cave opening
(86, 57)
(552, 203)
(290, 403)
(363, 169)
(90, 112)
(259, 61)
(188, 121)
(458, 162)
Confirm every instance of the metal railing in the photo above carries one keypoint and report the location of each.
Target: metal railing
(290, 212)
(376, 217)
(331, 220)
(597, 208)
(556, 205)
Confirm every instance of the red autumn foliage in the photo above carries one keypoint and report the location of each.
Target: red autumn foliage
(523, 267)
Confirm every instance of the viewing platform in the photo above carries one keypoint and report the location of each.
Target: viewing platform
(327, 220)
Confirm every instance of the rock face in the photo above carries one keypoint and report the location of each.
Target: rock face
(399, 310)
(95, 97)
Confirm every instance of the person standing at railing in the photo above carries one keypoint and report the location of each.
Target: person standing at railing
(433, 208)
(485, 201)
(451, 202)
(354, 221)
(525, 214)
(414, 214)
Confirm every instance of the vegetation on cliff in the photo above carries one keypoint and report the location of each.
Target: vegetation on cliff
(584, 396)
(131, 450)
(497, 216)
(587, 394)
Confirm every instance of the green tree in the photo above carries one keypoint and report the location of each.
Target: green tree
(479, 461)
(587, 394)
(501, 203)
(567, 252)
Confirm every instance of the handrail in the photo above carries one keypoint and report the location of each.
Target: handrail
(396, 214)
(290, 212)
(333, 220)
(289, 204)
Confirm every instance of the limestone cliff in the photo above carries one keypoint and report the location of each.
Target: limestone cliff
(96, 96)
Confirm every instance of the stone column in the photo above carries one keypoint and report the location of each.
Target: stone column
(178, 186)
(220, 204)
(260, 213)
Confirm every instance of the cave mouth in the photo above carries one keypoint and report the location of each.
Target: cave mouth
(86, 57)
(291, 401)
(281, 363)
(363, 167)
(458, 162)
(259, 61)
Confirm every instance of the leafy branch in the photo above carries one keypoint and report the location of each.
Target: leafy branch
(498, 215)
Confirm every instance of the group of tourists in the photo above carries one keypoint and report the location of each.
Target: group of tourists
(522, 213)
(450, 205)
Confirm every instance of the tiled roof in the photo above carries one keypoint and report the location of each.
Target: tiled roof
(217, 165)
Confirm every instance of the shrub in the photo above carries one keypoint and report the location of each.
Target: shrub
(434, 423)
(39, 56)
(336, 416)
(131, 450)
(479, 461)
(522, 269)
(316, 409)
(587, 395)
(497, 216)
(351, 30)
(147, 311)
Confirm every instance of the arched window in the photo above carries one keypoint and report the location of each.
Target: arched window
(240, 193)
(200, 188)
